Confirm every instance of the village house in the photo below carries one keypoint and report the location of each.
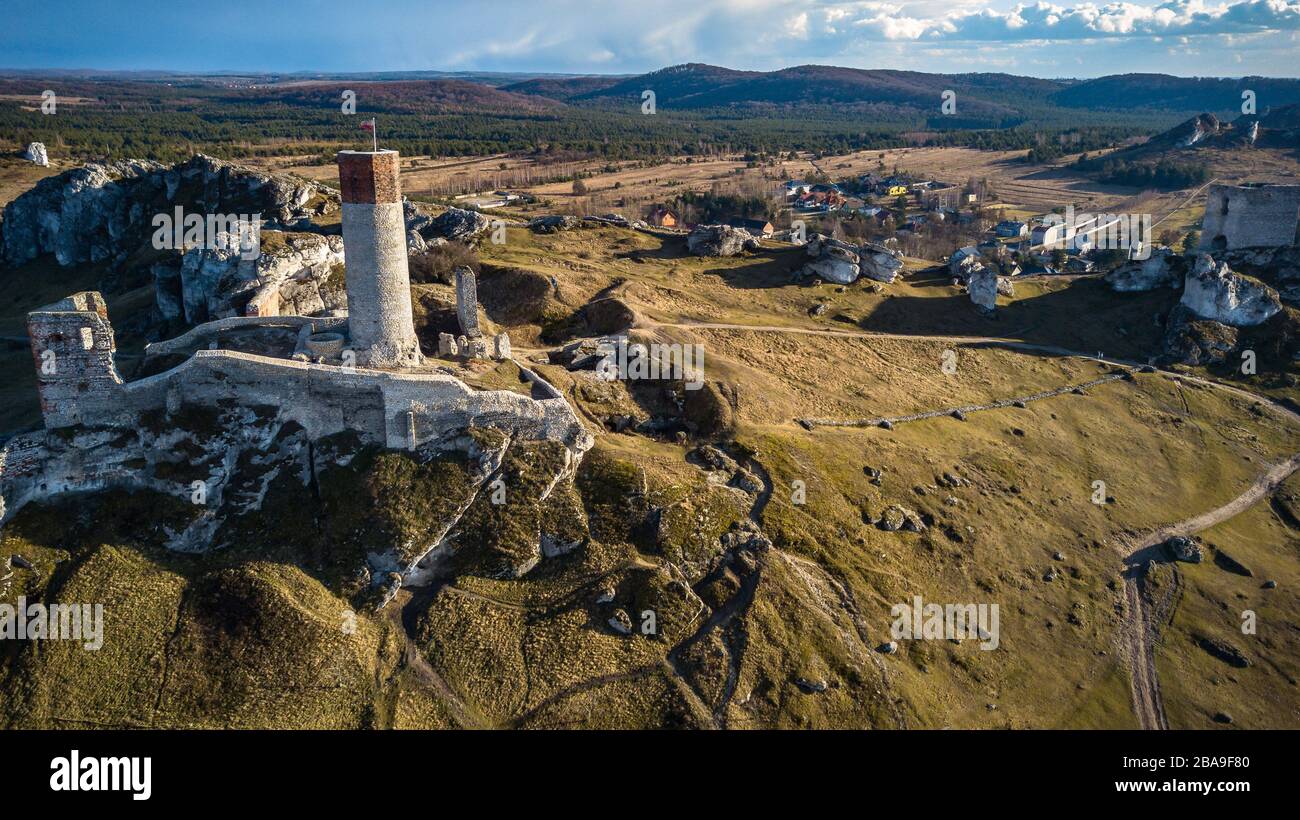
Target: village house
(1011, 228)
(796, 187)
(663, 218)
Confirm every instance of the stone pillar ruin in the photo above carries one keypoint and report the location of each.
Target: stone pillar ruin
(374, 238)
(467, 302)
(73, 345)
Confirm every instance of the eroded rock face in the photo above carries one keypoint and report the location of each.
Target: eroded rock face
(719, 240)
(1163, 269)
(298, 274)
(105, 212)
(36, 153)
(842, 263)
(1214, 291)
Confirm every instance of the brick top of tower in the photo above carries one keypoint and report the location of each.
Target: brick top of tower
(369, 177)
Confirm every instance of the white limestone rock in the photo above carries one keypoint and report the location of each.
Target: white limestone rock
(842, 263)
(501, 347)
(879, 262)
(103, 212)
(36, 153)
(1213, 291)
(1162, 269)
(983, 288)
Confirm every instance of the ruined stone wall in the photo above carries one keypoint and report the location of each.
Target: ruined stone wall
(392, 410)
(1249, 216)
(328, 399)
(73, 347)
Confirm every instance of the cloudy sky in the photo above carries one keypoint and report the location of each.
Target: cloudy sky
(1185, 37)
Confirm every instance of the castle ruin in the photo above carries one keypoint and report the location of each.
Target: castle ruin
(1249, 216)
(363, 373)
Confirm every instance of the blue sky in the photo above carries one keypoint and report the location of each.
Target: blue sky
(1185, 37)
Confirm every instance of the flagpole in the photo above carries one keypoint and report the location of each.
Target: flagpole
(374, 134)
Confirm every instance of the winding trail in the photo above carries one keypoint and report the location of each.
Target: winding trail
(1140, 629)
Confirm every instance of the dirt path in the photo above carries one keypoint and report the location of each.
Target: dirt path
(1140, 627)
(1139, 630)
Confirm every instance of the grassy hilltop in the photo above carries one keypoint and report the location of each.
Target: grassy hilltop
(770, 606)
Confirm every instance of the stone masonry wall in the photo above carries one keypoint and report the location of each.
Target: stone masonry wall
(73, 346)
(1250, 216)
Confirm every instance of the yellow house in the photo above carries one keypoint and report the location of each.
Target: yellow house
(897, 190)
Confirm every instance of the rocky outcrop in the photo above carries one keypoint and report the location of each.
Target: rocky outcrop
(1185, 548)
(1194, 341)
(36, 153)
(833, 261)
(105, 212)
(879, 262)
(1215, 292)
(842, 262)
(1163, 269)
(984, 286)
(295, 274)
(554, 223)
(964, 262)
(719, 240)
(456, 223)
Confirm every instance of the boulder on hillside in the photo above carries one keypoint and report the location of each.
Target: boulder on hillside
(719, 240)
(456, 223)
(984, 286)
(1213, 291)
(879, 262)
(832, 260)
(1163, 269)
(554, 223)
(1186, 548)
(36, 153)
(842, 262)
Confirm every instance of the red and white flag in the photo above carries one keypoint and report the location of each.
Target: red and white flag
(369, 124)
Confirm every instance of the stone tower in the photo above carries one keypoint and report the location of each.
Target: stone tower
(374, 239)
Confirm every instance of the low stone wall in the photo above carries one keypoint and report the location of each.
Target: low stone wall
(197, 334)
(326, 399)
